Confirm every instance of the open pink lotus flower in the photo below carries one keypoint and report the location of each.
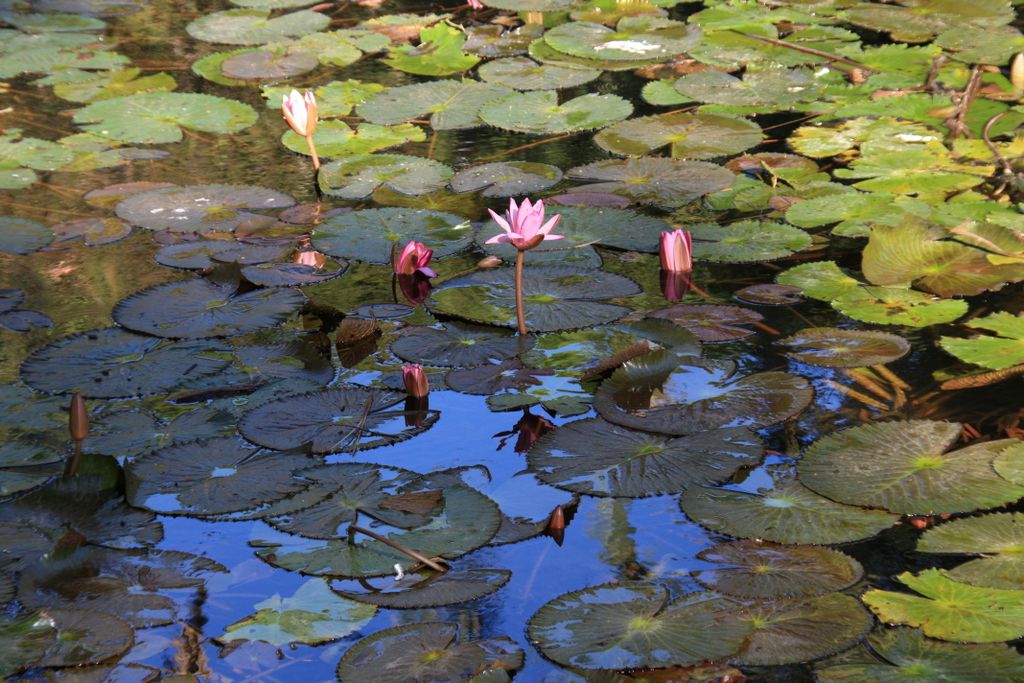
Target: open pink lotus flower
(300, 112)
(675, 251)
(415, 380)
(413, 259)
(524, 225)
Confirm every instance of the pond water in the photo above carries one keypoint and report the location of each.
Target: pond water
(799, 462)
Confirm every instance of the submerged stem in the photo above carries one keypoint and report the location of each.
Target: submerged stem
(520, 314)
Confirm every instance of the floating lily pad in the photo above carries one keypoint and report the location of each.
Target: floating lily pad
(24, 639)
(633, 38)
(335, 139)
(457, 345)
(898, 306)
(710, 322)
(314, 614)
(787, 512)
(751, 569)
(636, 464)
(290, 274)
(368, 235)
(333, 99)
(19, 453)
(910, 657)
(451, 104)
(268, 64)
(793, 631)
(438, 54)
(209, 67)
(833, 347)
(692, 136)
(22, 235)
(153, 118)
(543, 52)
(998, 536)
(22, 321)
(633, 625)
(93, 231)
(507, 178)
(200, 208)
(746, 241)
(358, 176)
(428, 651)
(211, 477)
(556, 297)
(950, 610)
(997, 352)
(654, 180)
(20, 480)
(467, 521)
(200, 308)
(255, 26)
(416, 592)
(522, 73)
(112, 363)
(128, 433)
(822, 280)
(85, 637)
(904, 467)
(200, 255)
(539, 113)
(769, 295)
(332, 421)
(664, 393)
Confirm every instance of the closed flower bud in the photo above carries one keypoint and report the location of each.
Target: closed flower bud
(78, 418)
(415, 381)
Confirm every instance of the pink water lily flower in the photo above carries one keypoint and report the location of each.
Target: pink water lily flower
(524, 225)
(300, 112)
(475, 4)
(415, 380)
(675, 249)
(414, 258)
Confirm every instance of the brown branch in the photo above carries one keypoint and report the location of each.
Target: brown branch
(808, 50)
(399, 547)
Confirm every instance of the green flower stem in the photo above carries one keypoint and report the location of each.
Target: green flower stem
(520, 315)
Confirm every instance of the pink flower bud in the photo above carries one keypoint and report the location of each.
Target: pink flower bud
(415, 381)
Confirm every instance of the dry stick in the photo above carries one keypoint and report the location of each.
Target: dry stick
(532, 144)
(430, 147)
(982, 379)
(891, 377)
(868, 384)
(852, 393)
(766, 328)
(362, 424)
(197, 136)
(809, 50)
(1000, 159)
(423, 559)
(955, 123)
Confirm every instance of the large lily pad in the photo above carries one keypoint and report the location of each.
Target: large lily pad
(507, 178)
(85, 637)
(661, 392)
(153, 118)
(786, 512)
(993, 352)
(127, 433)
(457, 345)
(522, 73)
(710, 322)
(269, 65)
(904, 467)
(200, 208)
(22, 235)
(643, 37)
(438, 54)
(951, 610)
(898, 306)
(539, 113)
(692, 136)
(747, 241)
(314, 614)
(753, 569)
(331, 421)
(428, 651)
(358, 176)
(211, 477)
(451, 104)
(111, 363)
(416, 592)
(635, 464)
(334, 139)
(24, 639)
(654, 180)
(556, 297)
(998, 536)
(200, 308)
(633, 625)
(834, 347)
(369, 235)
(255, 26)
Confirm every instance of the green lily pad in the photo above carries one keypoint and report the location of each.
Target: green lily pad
(982, 45)
(467, 521)
(457, 345)
(712, 323)
(114, 84)
(507, 178)
(786, 512)
(199, 208)
(833, 347)
(358, 176)
(793, 631)
(533, 5)
(636, 464)
(416, 592)
(199, 308)
(539, 113)
(916, 21)
(332, 421)
(654, 180)
(746, 241)
(335, 139)
(428, 651)
(40, 22)
(368, 235)
(211, 477)
(522, 73)
(542, 51)
(255, 26)
(268, 65)
(22, 235)
(910, 657)
(555, 297)
(998, 536)
(129, 433)
(633, 625)
(903, 467)
(333, 99)
(439, 53)
(897, 306)
(692, 136)
(993, 352)
(113, 363)
(314, 614)
(451, 104)
(209, 67)
(291, 274)
(93, 232)
(642, 37)
(200, 255)
(822, 280)
(950, 610)
(752, 569)
(664, 393)
(159, 117)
